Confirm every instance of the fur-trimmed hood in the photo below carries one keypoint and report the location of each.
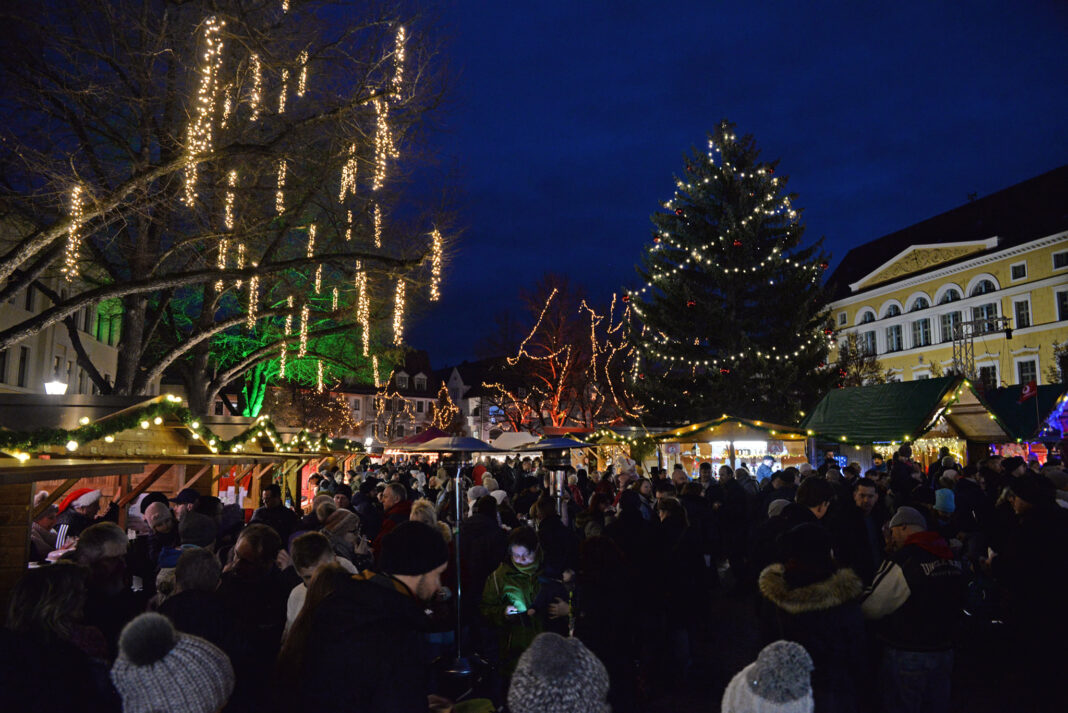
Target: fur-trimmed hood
(841, 587)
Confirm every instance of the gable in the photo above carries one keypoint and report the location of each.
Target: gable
(918, 258)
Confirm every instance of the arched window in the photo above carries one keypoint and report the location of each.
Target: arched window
(920, 303)
(868, 316)
(892, 311)
(983, 287)
(952, 295)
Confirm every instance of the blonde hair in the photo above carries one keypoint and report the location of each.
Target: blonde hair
(423, 511)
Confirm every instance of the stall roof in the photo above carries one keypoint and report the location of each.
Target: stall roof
(1023, 420)
(732, 428)
(415, 439)
(904, 410)
(13, 471)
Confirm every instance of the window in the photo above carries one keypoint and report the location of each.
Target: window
(3, 366)
(1026, 371)
(402, 381)
(950, 322)
(867, 343)
(70, 372)
(356, 405)
(987, 313)
(1022, 310)
(920, 303)
(893, 338)
(1018, 271)
(869, 316)
(1060, 260)
(420, 383)
(28, 304)
(892, 311)
(921, 333)
(841, 318)
(952, 295)
(419, 406)
(400, 431)
(920, 377)
(983, 287)
(218, 408)
(24, 365)
(988, 377)
(387, 405)
(1062, 306)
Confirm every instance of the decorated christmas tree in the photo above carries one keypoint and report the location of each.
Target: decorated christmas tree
(729, 318)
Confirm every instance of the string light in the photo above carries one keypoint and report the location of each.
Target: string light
(280, 196)
(304, 313)
(257, 87)
(319, 376)
(319, 279)
(240, 262)
(378, 226)
(311, 240)
(228, 212)
(333, 301)
(398, 59)
(285, 341)
(435, 264)
(374, 368)
(199, 135)
(302, 82)
(384, 146)
(220, 261)
(348, 176)
(285, 5)
(253, 301)
(282, 361)
(74, 238)
(363, 310)
(348, 226)
(282, 91)
(228, 105)
(398, 313)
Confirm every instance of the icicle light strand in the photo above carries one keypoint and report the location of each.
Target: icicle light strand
(363, 310)
(200, 134)
(319, 279)
(348, 226)
(253, 301)
(398, 313)
(280, 195)
(304, 313)
(228, 212)
(378, 226)
(311, 240)
(398, 59)
(348, 175)
(385, 149)
(333, 301)
(374, 368)
(74, 237)
(302, 81)
(257, 87)
(240, 261)
(435, 265)
(282, 91)
(319, 376)
(220, 261)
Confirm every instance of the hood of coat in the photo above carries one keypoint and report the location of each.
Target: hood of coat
(841, 587)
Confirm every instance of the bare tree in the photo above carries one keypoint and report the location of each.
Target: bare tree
(856, 365)
(216, 166)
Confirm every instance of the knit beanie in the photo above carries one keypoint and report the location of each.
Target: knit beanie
(342, 521)
(945, 500)
(162, 671)
(412, 548)
(1034, 489)
(197, 529)
(558, 675)
(806, 552)
(777, 682)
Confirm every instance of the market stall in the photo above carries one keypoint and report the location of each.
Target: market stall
(734, 441)
(929, 414)
(1037, 417)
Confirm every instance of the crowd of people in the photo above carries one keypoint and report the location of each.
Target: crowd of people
(389, 592)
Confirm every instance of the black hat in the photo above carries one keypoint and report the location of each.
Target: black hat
(806, 552)
(186, 496)
(413, 548)
(197, 529)
(1033, 488)
(1010, 464)
(342, 489)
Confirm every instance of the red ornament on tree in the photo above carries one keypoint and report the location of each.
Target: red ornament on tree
(724, 371)
(828, 332)
(656, 239)
(690, 303)
(824, 265)
(626, 298)
(771, 170)
(737, 243)
(678, 212)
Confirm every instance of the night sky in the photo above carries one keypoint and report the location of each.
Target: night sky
(568, 120)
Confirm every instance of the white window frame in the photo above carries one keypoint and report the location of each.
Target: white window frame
(1030, 313)
(842, 317)
(941, 335)
(912, 332)
(900, 338)
(1053, 260)
(402, 381)
(1016, 361)
(1013, 278)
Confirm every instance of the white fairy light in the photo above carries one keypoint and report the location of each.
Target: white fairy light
(363, 310)
(348, 226)
(348, 175)
(333, 301)
(378, 226)
(311, 240)
(282, 91)
(304, 312)
(385, 149)
(253, 300)
(200, 133)
(319, 279)
(398, 313)
(374, 368)
(228, 214)
(74, 237)
(319, 376)
(228, 105)
(240, 261)
(398, 61)
(302, 81)
(435, 264)
(257, 87)
(280, 196)
(285, 5)
(285, 341)
(220, 261)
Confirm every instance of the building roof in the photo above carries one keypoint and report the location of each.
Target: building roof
(1027, 420)
(1026, 211)
(475, 373)
(904, 410)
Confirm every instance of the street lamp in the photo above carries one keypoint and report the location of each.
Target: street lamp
(55, 387)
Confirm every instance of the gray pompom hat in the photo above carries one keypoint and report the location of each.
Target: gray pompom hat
(779, 681)
(558, 675)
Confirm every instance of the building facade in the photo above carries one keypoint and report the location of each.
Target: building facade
(998, 266)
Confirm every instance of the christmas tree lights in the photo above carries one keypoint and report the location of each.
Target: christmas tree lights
(374, 370)
(319, 279)
(240, 262)
(74, 237)
(220, 261)
(319, 375)
(333, 300)
(348, 226)
(348, 177)
(311, 240)
(384, 146)
(228, 211)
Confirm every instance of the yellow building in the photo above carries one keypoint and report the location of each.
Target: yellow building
(1003, 256)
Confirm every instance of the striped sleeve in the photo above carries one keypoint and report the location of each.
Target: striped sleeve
(888, 591)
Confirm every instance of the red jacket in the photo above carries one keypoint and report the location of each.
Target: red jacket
(394, 516)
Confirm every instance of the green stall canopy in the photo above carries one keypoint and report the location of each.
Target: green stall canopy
(1028, 421)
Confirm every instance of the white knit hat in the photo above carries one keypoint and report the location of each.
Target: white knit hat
(558, 675)
(779, 681)
(160, 670)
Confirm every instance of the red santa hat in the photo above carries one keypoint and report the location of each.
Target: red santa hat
(80, 498)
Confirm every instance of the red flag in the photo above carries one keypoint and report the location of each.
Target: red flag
(1030, 390)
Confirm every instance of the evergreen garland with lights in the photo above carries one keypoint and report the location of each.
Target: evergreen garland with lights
(729, 319)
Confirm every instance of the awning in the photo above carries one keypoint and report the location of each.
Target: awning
(732, 428)
(905, 411)
(416, 439)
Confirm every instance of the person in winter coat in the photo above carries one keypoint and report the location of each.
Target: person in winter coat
(396, 509)
(559, 545)
(483, 547)
(917, 600)
(513, 594)
(857, 526)
(365, 505)
(809, 600)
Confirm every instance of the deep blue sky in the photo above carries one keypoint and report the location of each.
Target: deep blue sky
(569, 119)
